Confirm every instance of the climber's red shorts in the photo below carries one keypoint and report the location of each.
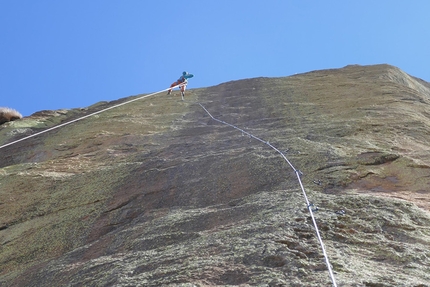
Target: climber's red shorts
(178, 83)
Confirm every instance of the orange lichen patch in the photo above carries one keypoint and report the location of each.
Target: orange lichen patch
(396, 180)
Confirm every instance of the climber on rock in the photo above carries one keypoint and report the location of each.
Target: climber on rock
(182, 80)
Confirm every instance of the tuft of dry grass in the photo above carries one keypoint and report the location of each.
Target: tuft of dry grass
(8, 114)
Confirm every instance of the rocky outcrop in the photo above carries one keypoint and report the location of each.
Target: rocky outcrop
(156, 193)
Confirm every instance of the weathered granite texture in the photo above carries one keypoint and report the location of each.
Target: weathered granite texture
(156, 193)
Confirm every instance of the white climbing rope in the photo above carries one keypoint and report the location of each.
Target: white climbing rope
(298, 174)
(90, 115)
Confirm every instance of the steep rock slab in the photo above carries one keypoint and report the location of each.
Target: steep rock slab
(157, 193)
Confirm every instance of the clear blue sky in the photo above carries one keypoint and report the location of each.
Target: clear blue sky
(70, 54)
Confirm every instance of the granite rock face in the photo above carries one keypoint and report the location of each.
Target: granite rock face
(157, 193)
